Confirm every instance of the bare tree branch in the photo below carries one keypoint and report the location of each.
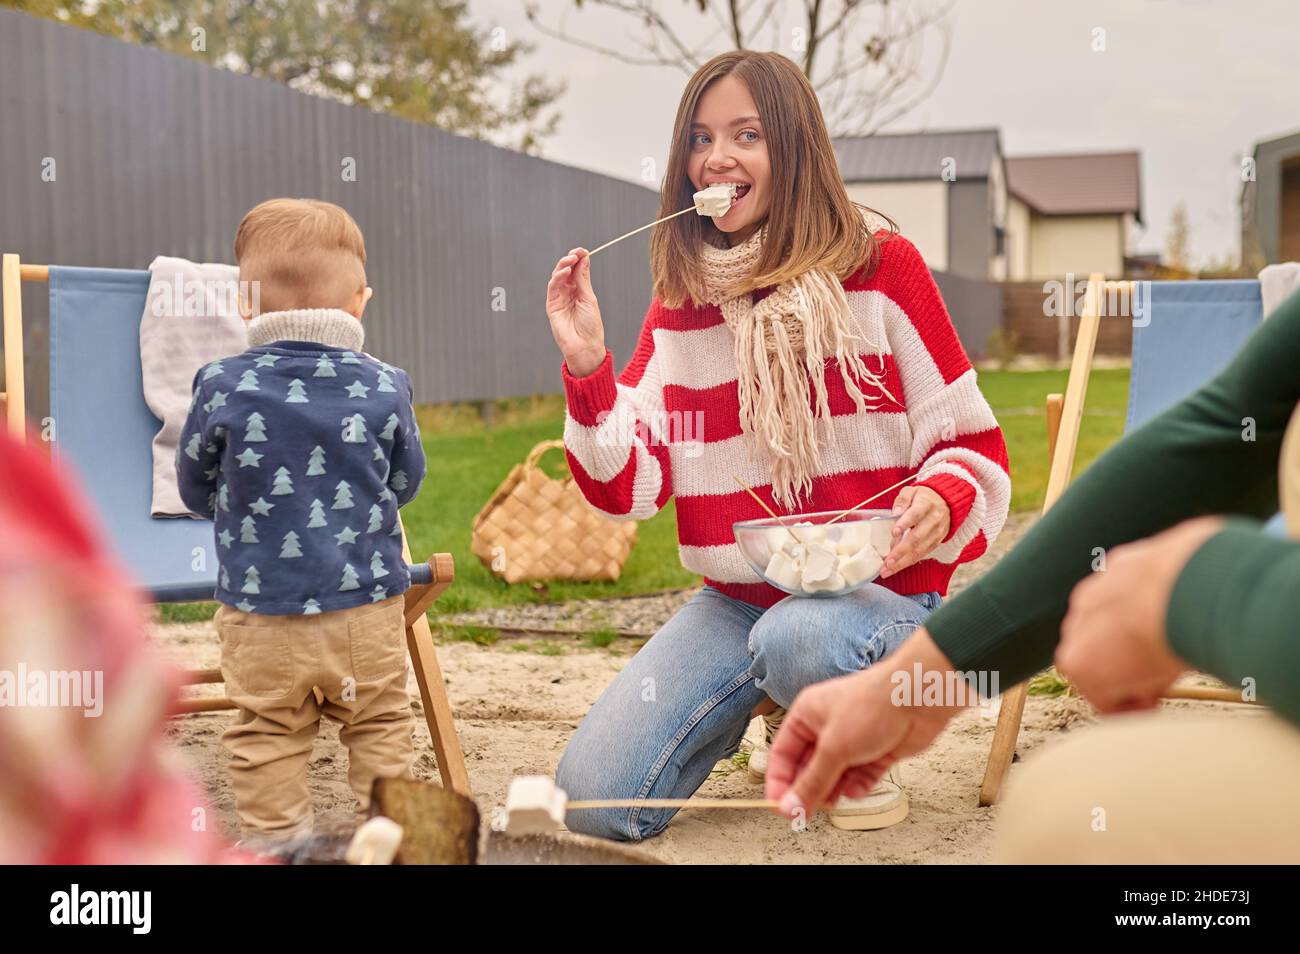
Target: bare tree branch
(876, 74)
(814, 10)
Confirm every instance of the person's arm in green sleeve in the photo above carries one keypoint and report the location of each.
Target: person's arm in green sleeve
(1192, 460)
(1235, 612)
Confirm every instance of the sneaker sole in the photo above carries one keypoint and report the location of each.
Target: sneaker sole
(870, 821)
(756, 776)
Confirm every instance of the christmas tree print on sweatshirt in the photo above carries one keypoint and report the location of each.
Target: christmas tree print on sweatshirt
(301, 450)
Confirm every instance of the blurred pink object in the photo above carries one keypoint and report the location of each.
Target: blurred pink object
(86, 776)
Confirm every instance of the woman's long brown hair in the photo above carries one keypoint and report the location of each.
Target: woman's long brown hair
(811, 222)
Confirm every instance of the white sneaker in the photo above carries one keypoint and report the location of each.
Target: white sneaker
(758, 757)
(884, 805)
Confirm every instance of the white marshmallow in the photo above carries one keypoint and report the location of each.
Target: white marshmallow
(882, 534)
(778, 539)
(853, 536)
(819, 565)
(782, 571)
(863, 565)
(716, 200)
(375, 842)
(534, 805)
(843, 540)
(810, 533)
(833, 582)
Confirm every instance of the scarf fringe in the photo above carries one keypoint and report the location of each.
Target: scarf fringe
(782, 346)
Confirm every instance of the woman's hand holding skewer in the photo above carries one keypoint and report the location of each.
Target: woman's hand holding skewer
(923, 523)
(574, 313)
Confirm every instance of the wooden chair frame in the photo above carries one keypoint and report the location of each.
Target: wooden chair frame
(420, 596)
(1064, 418)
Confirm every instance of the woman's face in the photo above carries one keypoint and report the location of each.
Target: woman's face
(728, 145)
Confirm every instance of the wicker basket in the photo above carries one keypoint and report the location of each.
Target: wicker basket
(537, 528)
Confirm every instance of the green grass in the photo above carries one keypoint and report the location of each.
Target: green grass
(481, 635)
(188, 612)
(600, 638)
(466, 463)
(1017, 399)
(1048, 683)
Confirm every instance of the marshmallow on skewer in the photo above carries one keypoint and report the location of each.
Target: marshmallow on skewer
(375, 842)
(534, 805)
(715, 201)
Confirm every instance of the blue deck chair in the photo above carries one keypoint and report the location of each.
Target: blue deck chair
(1190, 331)
(1196, 328)
(103, 430)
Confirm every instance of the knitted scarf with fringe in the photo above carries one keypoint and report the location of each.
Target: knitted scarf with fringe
(782, 345)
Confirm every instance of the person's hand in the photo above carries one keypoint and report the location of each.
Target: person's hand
(1113, 647)
(922, 511)
(840, 736)
(575, 314)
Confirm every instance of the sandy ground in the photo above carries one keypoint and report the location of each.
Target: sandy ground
(516, 707)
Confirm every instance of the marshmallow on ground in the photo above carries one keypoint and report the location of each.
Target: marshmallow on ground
(375, 843)
(863, 565)
(534, 805)
(715, 201)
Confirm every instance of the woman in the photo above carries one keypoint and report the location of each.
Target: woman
(824, 368)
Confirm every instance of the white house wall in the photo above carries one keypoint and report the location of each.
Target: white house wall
(1076, 243)
(1018, 240)
(919, 207)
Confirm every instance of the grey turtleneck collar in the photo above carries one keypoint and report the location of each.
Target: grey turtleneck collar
(331, 327)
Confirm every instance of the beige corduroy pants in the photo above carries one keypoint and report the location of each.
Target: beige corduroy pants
(272, 665)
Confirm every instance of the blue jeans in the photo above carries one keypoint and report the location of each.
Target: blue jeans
(684, 701)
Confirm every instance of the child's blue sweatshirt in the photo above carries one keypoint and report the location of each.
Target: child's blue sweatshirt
(302, 449)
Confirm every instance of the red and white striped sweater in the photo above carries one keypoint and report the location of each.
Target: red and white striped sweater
(669, 425)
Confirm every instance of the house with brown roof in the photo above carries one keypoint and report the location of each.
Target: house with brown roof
(946, 190)
(1072, 213)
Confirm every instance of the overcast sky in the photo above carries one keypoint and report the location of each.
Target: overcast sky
(1191, 84)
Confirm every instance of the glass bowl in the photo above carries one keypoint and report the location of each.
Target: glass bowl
(807, 555)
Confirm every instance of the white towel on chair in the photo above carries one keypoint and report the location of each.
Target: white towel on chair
(191, 317)
(1277, 283)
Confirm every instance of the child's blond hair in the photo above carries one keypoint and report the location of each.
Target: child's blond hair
(303, 253)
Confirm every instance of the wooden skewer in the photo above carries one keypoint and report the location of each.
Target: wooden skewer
(779, 520)
(641, 229)
(873, 497)
(672, 803)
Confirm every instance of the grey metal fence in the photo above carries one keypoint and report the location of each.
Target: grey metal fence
(154, 154)
(157, 154)
(976, 310)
